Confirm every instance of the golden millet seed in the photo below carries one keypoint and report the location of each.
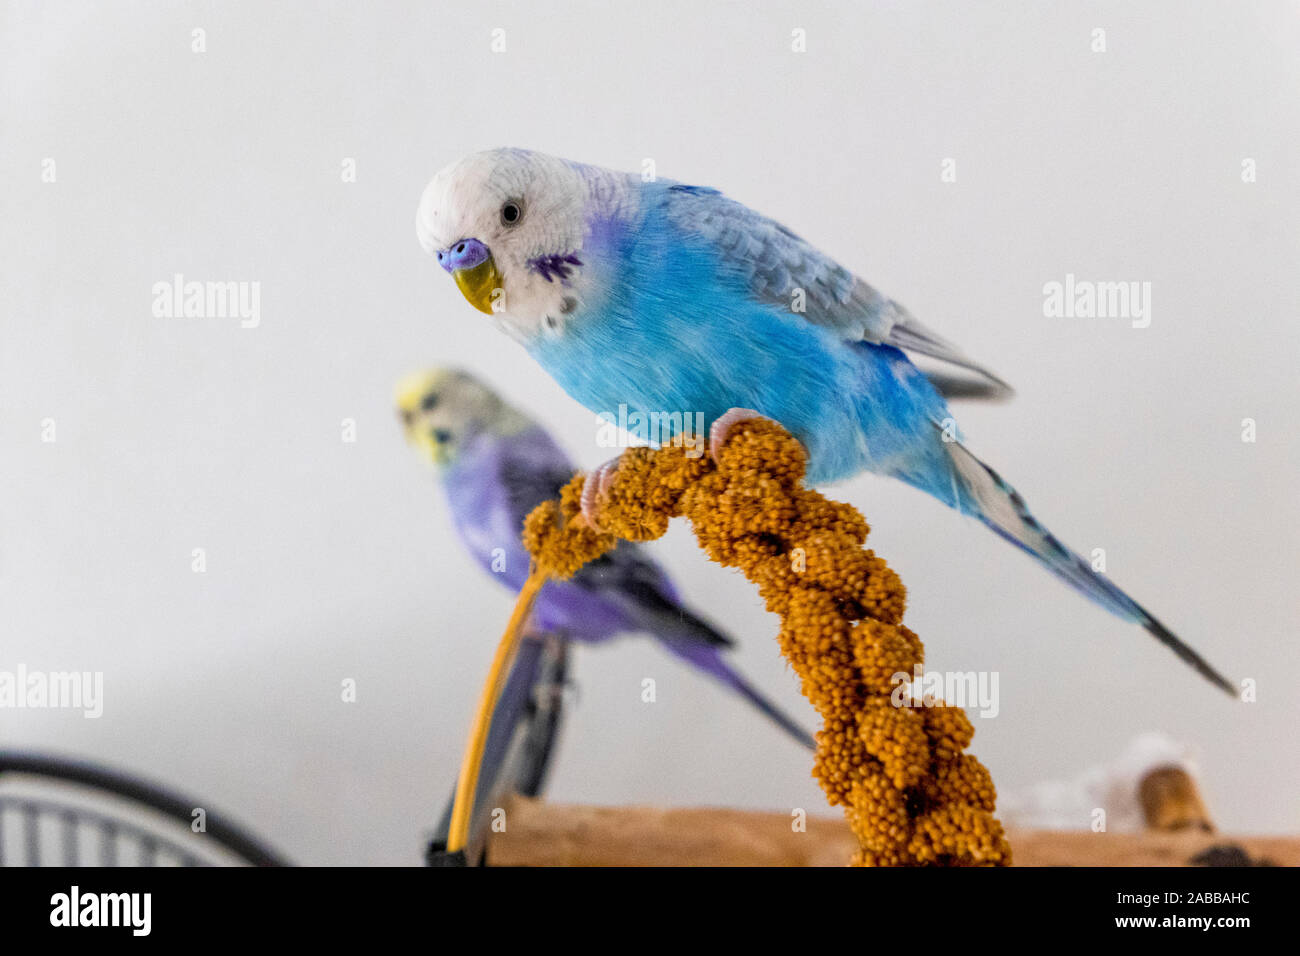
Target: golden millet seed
(911, 794)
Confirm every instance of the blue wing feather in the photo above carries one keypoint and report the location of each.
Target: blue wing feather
(773, 262)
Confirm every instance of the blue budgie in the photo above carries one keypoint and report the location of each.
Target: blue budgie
(496, 465)
(660, 296)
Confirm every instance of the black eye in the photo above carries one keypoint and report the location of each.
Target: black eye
(511, 213)
(441, 436)
(430, 402)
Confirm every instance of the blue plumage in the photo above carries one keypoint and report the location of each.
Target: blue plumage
(687, 300)
(674, 328)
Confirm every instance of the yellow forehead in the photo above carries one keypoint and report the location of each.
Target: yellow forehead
(411, 390)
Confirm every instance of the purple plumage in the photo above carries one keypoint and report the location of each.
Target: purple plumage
(496, 479)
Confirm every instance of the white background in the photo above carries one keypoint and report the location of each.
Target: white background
(328, 560)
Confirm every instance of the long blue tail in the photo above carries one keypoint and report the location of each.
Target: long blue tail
(980, 491)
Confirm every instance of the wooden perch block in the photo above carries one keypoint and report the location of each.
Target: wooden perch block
(549, 834)
(546, 834)
(1171, 802)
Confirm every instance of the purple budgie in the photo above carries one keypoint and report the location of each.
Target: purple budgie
(496, 465)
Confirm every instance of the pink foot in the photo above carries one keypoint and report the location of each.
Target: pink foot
(723, 425)
(597, 483)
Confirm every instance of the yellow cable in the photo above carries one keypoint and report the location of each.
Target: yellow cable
(471, 763)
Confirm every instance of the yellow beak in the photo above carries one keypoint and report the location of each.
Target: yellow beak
(482, 285)
(432, 451)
